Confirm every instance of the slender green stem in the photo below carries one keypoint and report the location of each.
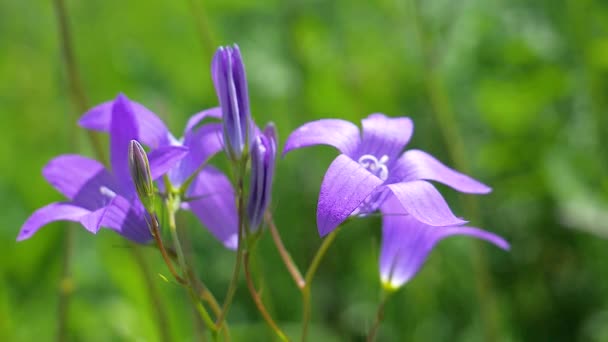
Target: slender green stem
(454, 142)
(182, 262)
(312, 269)
(161, 315)
(155, 231)
(293, 269)
(258, 300)
(371, 336)
(239, 252)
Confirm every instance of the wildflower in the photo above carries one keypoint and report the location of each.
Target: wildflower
(209, 194)
(98, 197)
(407, 242)
(263, 155)
(372, 167)
(228, 73)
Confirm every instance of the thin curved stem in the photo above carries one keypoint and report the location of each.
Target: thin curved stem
(163, 251)
(161, 315)
(373, 331)
(258, 301)
(293, 269)
(312, 269)
(239, 252)
(447, 122)
(182, 262)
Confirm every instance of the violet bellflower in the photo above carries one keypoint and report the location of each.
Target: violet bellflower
(210, 195)
(228, 73)
(96, 196)
(263, 157)
(372, 166)
(372, 173)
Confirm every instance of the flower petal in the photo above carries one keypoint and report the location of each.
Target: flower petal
(416, 164)
(50, 213)
(79, 179)
(127, 219)
(216, 205)
(165, 158)
(123, 129)
(407, 242)
(203, 144)
(152, 130)
(383, 135)
(424, 203)
(215, 113)
(345, 186)
(340, 134)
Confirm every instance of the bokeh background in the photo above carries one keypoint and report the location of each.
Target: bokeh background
(513, 92)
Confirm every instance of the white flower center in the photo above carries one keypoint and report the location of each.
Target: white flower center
(379, 169)
(104, 190)
(375, 165)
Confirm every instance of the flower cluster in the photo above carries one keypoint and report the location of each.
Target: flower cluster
(372, 173)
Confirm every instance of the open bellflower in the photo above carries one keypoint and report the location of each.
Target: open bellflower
(99, 197)
(372, 167)
(263, 157)
(228, 73)
(210, 196)
(407, 242)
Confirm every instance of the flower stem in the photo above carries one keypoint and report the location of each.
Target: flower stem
(171, 208)
(310, 273)
(454, 142)
(155, 231)
(161, 315)
(293, 269)
(239, 250)
(258, 300)
(371, 336)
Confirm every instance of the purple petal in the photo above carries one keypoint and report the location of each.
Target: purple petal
(50, 213)
(203, 144)
(79, 179)
(424, 203)
(345, 186)
(340, 134)
(164, 159)
(416, 164)
(216, 205)
(123, 129)
(383, 135)
(152, 131)
(127, 219)
(194, 120)
(407, 242)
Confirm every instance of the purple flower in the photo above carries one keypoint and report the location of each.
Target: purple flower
(211, 195)
(263, 155)
(228, 73)
(407, 242)
(98, 197)
(372, 167)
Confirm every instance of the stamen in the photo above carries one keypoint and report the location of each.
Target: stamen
(377, 167)
(104, 190)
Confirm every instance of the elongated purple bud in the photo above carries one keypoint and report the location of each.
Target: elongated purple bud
(230, 82)
(139, 167)
(263, 156)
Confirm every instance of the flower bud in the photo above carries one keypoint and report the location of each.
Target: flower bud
(139, 167)
(228, 74)
(263, 156)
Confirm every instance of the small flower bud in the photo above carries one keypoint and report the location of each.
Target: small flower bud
(263, 156)
(139, 167)
(228, 74)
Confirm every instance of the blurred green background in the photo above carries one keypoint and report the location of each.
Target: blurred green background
(515, 92)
